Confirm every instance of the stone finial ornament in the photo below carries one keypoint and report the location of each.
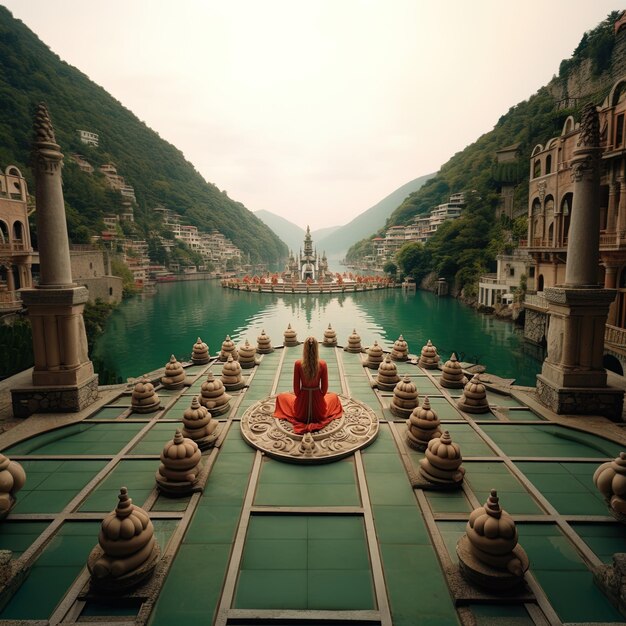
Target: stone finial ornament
(354, 343)
(405, 398)
(387, 377)
(452, 376)
(264, 344)
(200, 353)
(42, 125)
(127, 551)
(610, 479)
(307, 445)
(441, 469)
(180, 465)
(247, 355)
(213, 395)
(231, 375)
(200, 425)
(429, 359)
(228, 349)
(423, 425)
(290, 337)
(489, 554)
(330, 337)
(400, 350)
(144, 398)
(474, 398)
(589, 136)
(174, 375)
(12, 479)
(374, 356)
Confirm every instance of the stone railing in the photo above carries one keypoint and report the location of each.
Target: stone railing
(609, 240)
(536, 299)
(10, 301)
(15, 246)
(615, 335)
(491, 279)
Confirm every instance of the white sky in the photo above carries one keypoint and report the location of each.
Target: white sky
(315, 110)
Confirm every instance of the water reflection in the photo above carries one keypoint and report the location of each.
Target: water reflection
(142, 333)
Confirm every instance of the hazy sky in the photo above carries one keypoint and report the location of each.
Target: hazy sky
(315, 110)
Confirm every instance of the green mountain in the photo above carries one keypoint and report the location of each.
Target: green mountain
(288, 232)
(463, 249)
(337, 242)
(30, 72)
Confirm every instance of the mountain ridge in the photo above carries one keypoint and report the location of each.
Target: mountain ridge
(31, 72)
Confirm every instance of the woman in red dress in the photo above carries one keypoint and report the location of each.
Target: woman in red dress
(310, 407)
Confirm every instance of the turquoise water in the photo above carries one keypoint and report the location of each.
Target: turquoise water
(143, 332)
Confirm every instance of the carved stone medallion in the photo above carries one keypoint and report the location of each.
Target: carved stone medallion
(355, 429)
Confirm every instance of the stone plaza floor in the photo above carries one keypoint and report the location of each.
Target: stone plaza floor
(344, 542)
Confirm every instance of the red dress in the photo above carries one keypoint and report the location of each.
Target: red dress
(310, 407)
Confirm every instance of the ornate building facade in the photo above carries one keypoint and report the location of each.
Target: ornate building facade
(15, 244)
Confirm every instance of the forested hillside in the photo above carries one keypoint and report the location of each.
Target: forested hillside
(463, 249)
(30, 72)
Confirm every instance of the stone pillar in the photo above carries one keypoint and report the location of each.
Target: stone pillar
(621, 208)
(584, 231)
(611, 217)
(10, 278)
(63, 376)
(573, 379)
(610, 277)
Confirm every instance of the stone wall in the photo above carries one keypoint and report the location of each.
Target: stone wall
(87, 264)
(106, 288)
(581, 83)
(535, 326)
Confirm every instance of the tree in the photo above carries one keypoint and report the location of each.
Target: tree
(390, 268)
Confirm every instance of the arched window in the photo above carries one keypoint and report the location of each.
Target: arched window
(18, 231)
(566, 209)
(540, 282)
(551, 234)
(537, 168)
(549, 164)
(4, 232)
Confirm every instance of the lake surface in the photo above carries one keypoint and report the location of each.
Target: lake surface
(143, 332)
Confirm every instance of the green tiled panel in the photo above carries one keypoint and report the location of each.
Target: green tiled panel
(53, 572)
(444, 408)
(82, 438)
(137, 476)
(448, 502)
(451, 532)
(109, 413)
(483, 477)
(155, 439)
(468, 439)
(417, 589)
(497, 399)
(51, 485)
(400, 524)
(567, 486)
(604, 539)
(549, 441)
(18, 536)
(564, 577)
(175, 412)
(300, 562)
(524, 414)
(333, 484)
(187, 597)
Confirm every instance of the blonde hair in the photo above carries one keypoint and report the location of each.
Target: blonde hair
(310, 358)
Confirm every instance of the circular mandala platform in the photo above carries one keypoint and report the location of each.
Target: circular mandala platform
(355, 429)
